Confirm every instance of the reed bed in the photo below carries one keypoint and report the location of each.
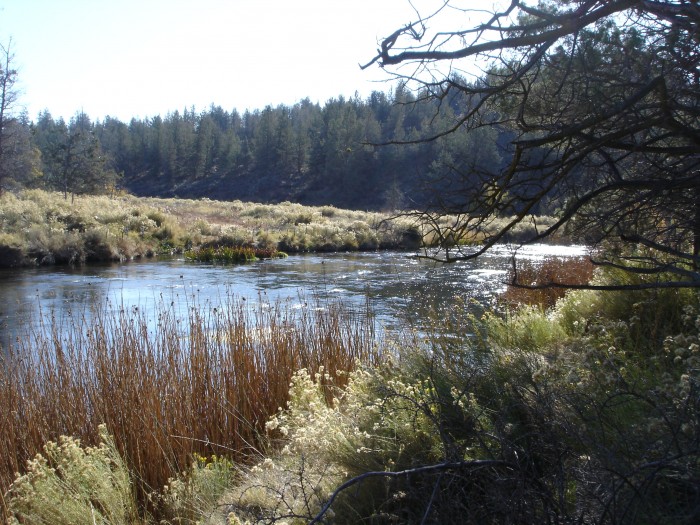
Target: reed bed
(577, 271)
(169, 386)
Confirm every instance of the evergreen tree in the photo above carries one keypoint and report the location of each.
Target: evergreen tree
(73, 161)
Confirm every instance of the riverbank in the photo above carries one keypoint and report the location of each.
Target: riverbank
(586, 412)
(44, 228)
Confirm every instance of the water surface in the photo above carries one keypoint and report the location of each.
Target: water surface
(398, 286)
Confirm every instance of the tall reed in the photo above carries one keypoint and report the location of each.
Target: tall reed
(168, 387)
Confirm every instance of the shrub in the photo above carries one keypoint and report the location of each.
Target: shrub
(71, 485)
(169, 232)
(158, 217)
(266, 241)
(222, 254)
(325, 441)
(192, 496)
(204, 228)
(410, 442)
(55, 247)
(527, 329)
(303, 218)
(295, 242)
(538, 423)
(11, 253)
(366, 238)
(98, 247)
(646, 316)
(328, 211)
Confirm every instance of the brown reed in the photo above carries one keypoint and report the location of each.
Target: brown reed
(577, 270)
(165, 392)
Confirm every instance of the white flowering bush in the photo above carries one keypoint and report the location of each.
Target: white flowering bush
(363, 428)
(69, 484)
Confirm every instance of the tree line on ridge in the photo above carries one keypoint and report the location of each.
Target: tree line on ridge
(339, 153)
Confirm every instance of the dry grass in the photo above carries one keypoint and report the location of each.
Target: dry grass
(39, 227)
(165, 392)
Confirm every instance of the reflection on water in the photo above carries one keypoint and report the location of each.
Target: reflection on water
(396, 285)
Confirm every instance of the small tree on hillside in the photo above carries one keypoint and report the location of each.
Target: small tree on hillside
(600, 101)
(9, 128)
(73, 159)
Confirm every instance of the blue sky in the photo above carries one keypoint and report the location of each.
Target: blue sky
(141, 58)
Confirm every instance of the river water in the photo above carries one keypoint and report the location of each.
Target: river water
(398, 286)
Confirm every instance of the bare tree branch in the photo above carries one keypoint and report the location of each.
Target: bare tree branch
(600, 105)
(440, 467)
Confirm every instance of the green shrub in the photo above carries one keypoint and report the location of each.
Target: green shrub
(266, 241)
(48, 246)
(381, 422)
(158, 217)
(204, 228)
(222, 254)
(11, 252)
(644, 317)
(303, 218)
(192, 496)
(295, 242)
(328, 211)
(365, 237)
(528, 329)
(98, 246)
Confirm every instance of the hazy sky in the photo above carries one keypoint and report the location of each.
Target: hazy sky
(141, 58)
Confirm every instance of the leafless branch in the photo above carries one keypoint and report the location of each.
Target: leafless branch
(440, 467)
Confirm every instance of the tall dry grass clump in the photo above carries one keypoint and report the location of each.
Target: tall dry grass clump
(169, 387)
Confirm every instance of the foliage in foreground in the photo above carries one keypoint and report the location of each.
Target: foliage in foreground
(69, 484)
(581, 414)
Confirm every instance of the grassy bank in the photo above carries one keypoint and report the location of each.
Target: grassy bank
(38, 227)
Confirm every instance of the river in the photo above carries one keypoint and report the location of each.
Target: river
(398, 286)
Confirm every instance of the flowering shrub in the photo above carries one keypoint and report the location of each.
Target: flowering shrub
(579, 418)
(72, 485)
(324, 443)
